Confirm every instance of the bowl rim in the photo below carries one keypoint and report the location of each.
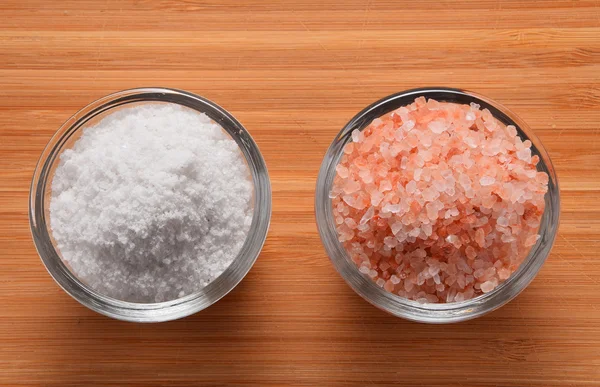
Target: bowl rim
(400, 306)
(167, 310)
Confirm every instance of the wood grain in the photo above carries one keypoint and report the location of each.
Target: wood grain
(294, 73)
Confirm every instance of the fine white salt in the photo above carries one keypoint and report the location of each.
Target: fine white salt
(151, 204)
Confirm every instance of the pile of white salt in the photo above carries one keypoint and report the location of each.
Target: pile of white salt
(152, 203)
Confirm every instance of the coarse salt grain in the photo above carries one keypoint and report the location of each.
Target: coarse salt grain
(151, 204)
(452, 213)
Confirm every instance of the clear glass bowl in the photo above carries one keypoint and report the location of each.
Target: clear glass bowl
(402, 307)
(39, 199)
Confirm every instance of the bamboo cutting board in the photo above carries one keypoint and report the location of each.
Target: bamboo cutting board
(294, 73)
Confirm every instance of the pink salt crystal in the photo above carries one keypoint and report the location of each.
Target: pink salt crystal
(432, 212)
(464, 180)
(454, 240)
(412, 140)
(488, 201)
(393, 208)
(342, 171)
(503, 274)
(433, 271)
(420, 102)
(349, 200)
(427, 229)
(439, 185)
(490, 125)
(531, 240)
(417, 174)
(459, 297)
(368, 215)
(389, 286)
(349, 148)
(408, 125)
(487, 180)
(460, 281)
(524, 154)
(396, 228)
(502, 221)
(419, 161)
(464, 266)
(469, 293)
(432, 104)
(542, 178)
(486, 115)
(512, 131)
(426, 141)
(367, 144)
(438, 126)
(488, 274)
(471, 141)
(395, 148)
(377, 122)
(507, 238)
(451, 294)
(351, 186)
(356, 135)
(478, 273)
(390, 241)
(480, 237)
(376, 198)
(366, 176)
(404, 162)
(381, 170)
(487, 286)
(426, 174)
(530, 173)
(350, 223)
(385, 185)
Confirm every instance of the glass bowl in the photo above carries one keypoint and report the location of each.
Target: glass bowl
(39, 199)
(405, 308)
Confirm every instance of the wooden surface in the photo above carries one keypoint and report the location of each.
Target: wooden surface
(294, 74)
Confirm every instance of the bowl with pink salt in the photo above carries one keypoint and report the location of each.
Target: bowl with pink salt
(437, 205)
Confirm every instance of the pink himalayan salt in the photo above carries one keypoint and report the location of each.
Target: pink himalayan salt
(438, 202)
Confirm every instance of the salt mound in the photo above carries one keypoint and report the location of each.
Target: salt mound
(151, 204)
(438, 202)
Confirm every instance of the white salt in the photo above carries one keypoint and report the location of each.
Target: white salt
(151, 204)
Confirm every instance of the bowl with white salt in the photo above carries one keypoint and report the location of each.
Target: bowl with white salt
(150, 204)
(437, 205)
